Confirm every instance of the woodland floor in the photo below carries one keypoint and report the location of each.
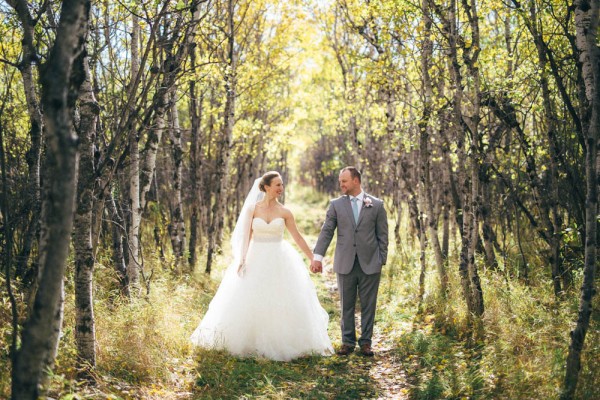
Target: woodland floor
(144, 351)
(209, 374)
(335, 377)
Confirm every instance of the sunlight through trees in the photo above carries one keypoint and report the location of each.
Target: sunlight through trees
(131, 132)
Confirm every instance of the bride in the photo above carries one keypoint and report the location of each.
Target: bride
(266, 304)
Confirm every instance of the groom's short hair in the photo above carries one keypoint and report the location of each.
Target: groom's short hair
(354, 172)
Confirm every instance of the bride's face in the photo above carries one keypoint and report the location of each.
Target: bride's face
(276, 188)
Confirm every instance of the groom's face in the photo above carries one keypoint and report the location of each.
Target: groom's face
(349, 185)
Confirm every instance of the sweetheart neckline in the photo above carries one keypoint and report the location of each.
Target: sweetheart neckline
(268, 223)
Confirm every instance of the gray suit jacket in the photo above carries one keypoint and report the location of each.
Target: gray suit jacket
(367, 239)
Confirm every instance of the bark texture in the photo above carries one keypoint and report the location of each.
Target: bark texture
(85, 336)
(586, 22)
(60, 80)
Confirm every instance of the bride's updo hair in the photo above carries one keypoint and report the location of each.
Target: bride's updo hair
(267, 178)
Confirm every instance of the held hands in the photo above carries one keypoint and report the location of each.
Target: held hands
(316, 266)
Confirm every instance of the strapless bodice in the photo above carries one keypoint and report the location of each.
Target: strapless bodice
(263, 231)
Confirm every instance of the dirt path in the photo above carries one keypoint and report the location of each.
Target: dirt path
(390, 374)
(385, 369)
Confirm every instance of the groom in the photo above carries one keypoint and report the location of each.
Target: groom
(361, 251)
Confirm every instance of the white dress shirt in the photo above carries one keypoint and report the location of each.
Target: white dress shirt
(359, 204)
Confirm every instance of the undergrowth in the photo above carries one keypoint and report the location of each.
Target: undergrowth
(143, 351)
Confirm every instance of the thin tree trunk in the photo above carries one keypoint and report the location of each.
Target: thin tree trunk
(450, 29)
(455, 125)
(148, 164)
(85, 335)
(468, 179)
(446, 203)
(424, 138)
(489, 236)
(422, 256)
(222, 165)
(177, 231)
(413, 206)
(473, 125)
(397, 200)
(547, 193)
(170, 69)
(195, 165)
(135, 207)
(60, 82)
(524, 268)
(209, 173)
(118, 243)
(34, 155)
(467, 236)
(8, 238)
(587, 14)
(475, 283)
(416, 216)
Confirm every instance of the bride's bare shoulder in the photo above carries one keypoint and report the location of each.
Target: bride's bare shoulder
(286, 212)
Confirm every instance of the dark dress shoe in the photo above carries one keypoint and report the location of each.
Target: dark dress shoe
(365, 350)
(345, 350)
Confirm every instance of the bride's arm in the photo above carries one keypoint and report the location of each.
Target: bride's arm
(290, 224)
(241, 239)
(246, 246)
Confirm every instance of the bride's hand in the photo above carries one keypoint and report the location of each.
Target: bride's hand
(242, 269)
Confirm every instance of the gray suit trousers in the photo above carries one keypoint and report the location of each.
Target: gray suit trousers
(366, 286)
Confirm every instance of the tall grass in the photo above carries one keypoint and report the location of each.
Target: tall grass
(143, 348)
(144, 352)
(519, 355)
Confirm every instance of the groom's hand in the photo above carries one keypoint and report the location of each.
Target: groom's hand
(316, 266)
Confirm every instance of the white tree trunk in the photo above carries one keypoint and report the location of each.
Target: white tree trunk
(135, 208)
(222, 168)
(177, 231)
(85, 334)
(34, 155)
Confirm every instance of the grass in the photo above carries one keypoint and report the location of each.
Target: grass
(221, 376)
(144, 352)
(519, 355)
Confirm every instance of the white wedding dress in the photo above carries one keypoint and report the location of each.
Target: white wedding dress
(272, 310)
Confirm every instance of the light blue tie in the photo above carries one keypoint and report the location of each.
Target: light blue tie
(354, 209)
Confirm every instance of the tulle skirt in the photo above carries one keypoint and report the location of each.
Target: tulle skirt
(271, 311)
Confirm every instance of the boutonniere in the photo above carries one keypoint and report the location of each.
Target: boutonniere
(367, 202)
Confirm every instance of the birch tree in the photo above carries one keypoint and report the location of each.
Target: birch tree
(587, 14)
(177, 225)
(85, 335)
(135, 206)
(174, 48)
(222, 161)
(30, 58)
(196, 161)
(425, 128)
(60, 81)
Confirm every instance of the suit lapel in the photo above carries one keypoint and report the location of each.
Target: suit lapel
(348, 207)
(362, 209)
